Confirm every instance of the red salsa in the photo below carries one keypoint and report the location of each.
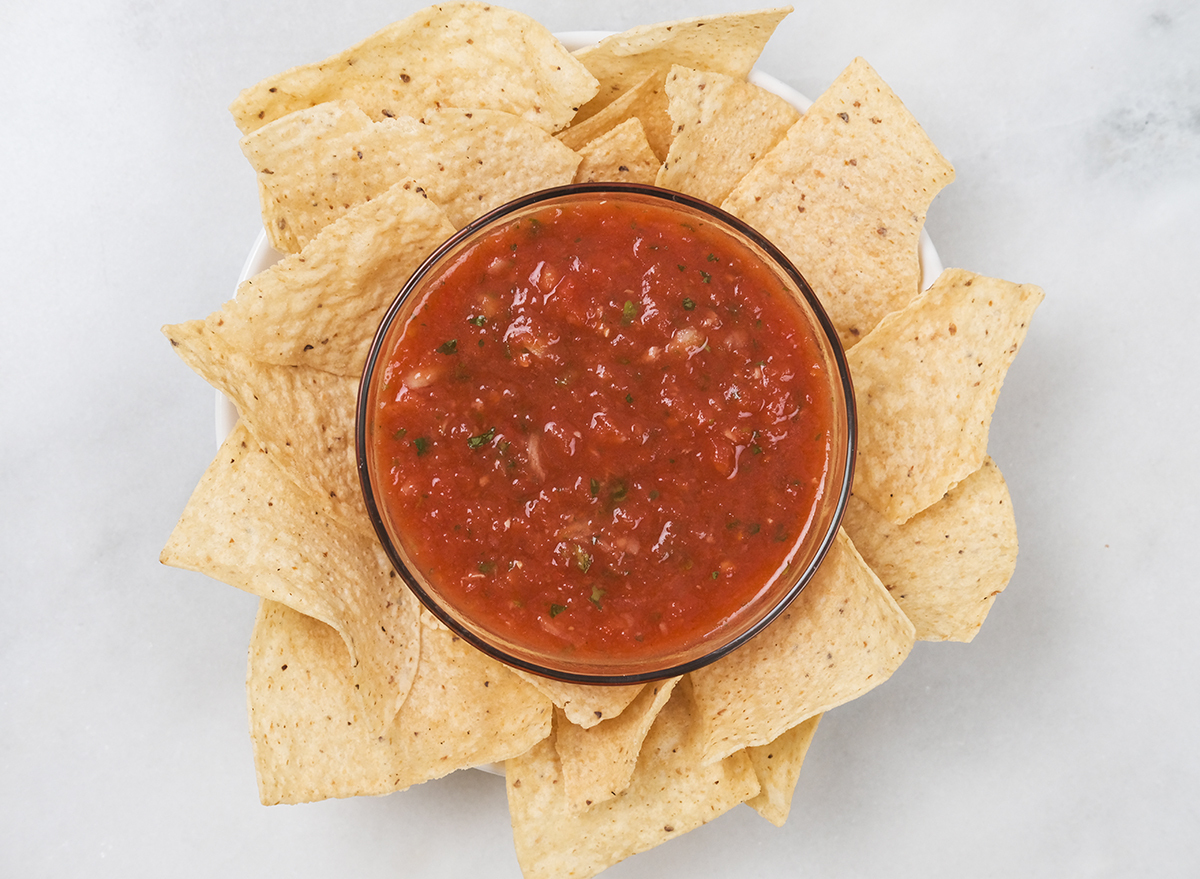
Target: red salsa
(604, 429)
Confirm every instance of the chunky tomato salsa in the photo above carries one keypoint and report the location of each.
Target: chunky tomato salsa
(604, 429)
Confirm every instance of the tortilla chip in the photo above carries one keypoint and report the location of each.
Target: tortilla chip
(249, 526)
(722, 126)
(842, 636)
(777, 767)
(320, 308)
(309, 740)
(844, 196)
(645, 101)
(597, 763)
(621, 155)
(728, 44)
(294, 148)
(946, 565)
(315, 165)
(467, 55)
(641, 96)
(584, 705)
(926, 382)
(672, 792)
(303, 417)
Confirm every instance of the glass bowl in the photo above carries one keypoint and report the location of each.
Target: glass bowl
(575, 495)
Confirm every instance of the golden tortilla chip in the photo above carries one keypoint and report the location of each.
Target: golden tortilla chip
(728, 44)
(844, 196)
(585, 705)
(946, 565)
(672, 792)
(621, 155)
(646, 101)
(777, 767)
(304, 417)
(309, 740)
(294, 148)
(842, 636)
(321, 307)
(722, 126)
(926, 382)
(315, 165)
(248, 525)
(467, 55)
(640, 95)
(597, 763)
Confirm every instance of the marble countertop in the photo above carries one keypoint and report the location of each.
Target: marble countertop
(1061, 742)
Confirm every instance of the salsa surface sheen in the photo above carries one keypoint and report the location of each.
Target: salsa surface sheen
(603, 430)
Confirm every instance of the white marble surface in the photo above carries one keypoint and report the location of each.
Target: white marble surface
(1062, 742)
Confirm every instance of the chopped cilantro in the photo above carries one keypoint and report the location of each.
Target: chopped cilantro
(688, 304)
(629, 312)
(555, 610)
(705, 277)
(483, 438)
(595, 486)
(597, 594)
(478, 320)
(422, 443)
(486, 567)
(400, 433)
(448, 347)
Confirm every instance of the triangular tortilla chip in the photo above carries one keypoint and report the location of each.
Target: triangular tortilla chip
(926, 382)
(722, 126)
(248, 525)
(322, 306)
(295, 149)
(777, 766)
(639, 98)
(309, 742)
(842, 636)
(844, 196)
(646, 101)
(597, 763)
(469, 55)
(728, 44)
(621, 155)
(672, 792)
(946, 565)
(304, 417)
(315, 165)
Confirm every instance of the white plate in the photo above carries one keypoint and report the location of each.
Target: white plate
(262, 256)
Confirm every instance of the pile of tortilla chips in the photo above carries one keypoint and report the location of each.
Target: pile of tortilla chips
(365, 163)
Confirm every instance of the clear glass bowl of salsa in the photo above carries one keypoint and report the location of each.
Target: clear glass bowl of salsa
(606, 433)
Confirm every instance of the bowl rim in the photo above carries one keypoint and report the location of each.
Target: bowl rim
(843, 381)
